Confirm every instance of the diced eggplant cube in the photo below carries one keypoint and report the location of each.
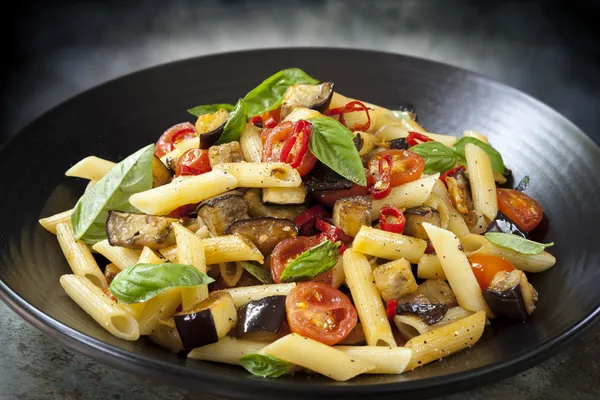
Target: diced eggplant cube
(161, 174)
(351, 213)
(284, 196)
(315, 97)
(135, 231)
(225, 153)
(415, 218)
(266, 314)
(221, 211)
(394, 279)
(510, 294)
(264, 232)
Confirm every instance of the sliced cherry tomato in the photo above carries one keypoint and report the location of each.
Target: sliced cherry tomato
(485, 267)
(273, 141)
(520, 208)
(296, 146)
(406, 166)
(287, 250)
(320, 312)
(329, 197)
(193, 162)
(391, 219)
(414, 138)
(174, 134)
(183, 211)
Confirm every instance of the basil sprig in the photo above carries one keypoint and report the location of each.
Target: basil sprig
(312, 263)
(258, 272)
(112, 192)
(265, 366)
(495, 157)
(235, 123)
(142, 282)
(332, 143)
(209, 109)
(516, 243)
(438, 157)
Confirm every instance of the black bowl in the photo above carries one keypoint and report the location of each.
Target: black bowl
(115, 119)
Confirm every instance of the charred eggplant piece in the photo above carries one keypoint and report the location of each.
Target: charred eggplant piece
(208, 322)
(161, 174)
(266, 314)
(135, 231)
(511, 295)
(358, 141)
(110, 272)
(415, 218)
(315, 97)
(257, 209)
(437, 291)
(398, 144)
(351, 213)
(210, 127)
(265, 232)
(504, 224)
(225, 153)
(324, 178)
(221, 211)
(167, 337)
(430, 301)
(459, 190)
(394, 279)
(430, 313)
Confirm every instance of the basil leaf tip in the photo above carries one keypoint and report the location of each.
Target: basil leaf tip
(437, 156)
(516, 243)
(142, 282)
(235, 123)
(209, 109)
(259, 273)
(265, 366)
(312, 263)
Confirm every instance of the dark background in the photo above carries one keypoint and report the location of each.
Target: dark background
(53, 50)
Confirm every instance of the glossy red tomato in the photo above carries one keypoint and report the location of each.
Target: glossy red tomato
(290, 248)
(520, 208)
(174, 134)
(320, 312)
(193, 162)
(273, 140)
(485, 267)
(329, 197)
(406, 166)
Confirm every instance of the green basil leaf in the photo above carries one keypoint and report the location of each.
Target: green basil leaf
(312, 263)
(268, 95)
(209, 109)
(495, 157)
(265, 366)
(516, 243)
(438, 157)
(401, 114)
(142, 282)
(235, 123)
(112, 192)
(332, 143)
(258, 272)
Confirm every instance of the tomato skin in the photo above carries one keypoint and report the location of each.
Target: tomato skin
(520, 208)
(174, 134)
(193, 162)
(329, 197)
(273, 140)
(320, 312)
(485, 267)
(290, 248)
(406, 167)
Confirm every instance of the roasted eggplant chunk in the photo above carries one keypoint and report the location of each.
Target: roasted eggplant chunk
(459, 190)
(225, 153)
(135, 231)
(221, 211)
(210, 127)
(324, 178)
(315, 97)
(264, 232)
(398, 144)
(504, 224)
(161, 174)
(394, 279)
(257, 209)
(351, 213)
(266, 314)
(415, 218)
(430, 301)
(510, 294)
(168, 337)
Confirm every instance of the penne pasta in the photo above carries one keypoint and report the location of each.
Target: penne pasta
(430, 267)
(50, 223)
(367, 299)
(220, 249)
(476, 135)
(387, 360)
(79, 256)
(227, 350)
(246, 294)
(120, 256)
(456, 223)
(409, 195)
(182, 191)
(388, 245)
(318, 357)
(446, 340)
(162, 306)
(190, 251)
(284, 195)
(92, 168)
(401, 130)
(251, 143)
(262, 175)
(411, 325)
(483, 186)
(100, 307)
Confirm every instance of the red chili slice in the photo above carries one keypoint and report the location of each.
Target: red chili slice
(388, 212)
(352, 106)
(414, 138)
(383, 186)
(451, 172)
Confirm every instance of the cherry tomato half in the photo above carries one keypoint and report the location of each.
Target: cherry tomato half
(193, 162)
(273, 140)
(406, 166)
(290, 248)
(174, 134)
(485, 267)
(520, 208)
(320, 312)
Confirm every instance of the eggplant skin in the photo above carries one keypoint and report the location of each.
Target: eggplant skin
(316, 97)
(161, 174)
(135, 231)
(351, 213)
(257, 209)
(266, 314)
(398, 144)
(415, 218)
(503, 224)
(510, 294)
(264, 232)
(324, 178)
(430, 313)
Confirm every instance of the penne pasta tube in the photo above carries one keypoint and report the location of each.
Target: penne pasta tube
(92, 168)
(430, 267)
(284, 195)
(79, 256)
(262, 175)
(120, 256)
(227, 350)
(251, 143)
(387, 360)
(246, 294)
(188, 144)
(162, 306)
(401, 130)
(49, 223)
(457, 269)
(190, 250)
(100, 307)
(456, 223)
(409, 195)
(476, 135)
(164, 199)
(476, 244)
(442, 208)
(448, 339)
(411, 325)
(367, 300)
(318, 357)
(388, 245)
(483, 186)
(220, 249)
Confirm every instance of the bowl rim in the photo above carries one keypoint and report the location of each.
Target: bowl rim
(146, 366)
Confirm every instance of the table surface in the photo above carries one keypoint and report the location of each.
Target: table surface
(546, 50)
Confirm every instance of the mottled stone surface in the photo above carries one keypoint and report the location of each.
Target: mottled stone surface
(545, 49)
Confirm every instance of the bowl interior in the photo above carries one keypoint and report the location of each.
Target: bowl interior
(115, 119)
